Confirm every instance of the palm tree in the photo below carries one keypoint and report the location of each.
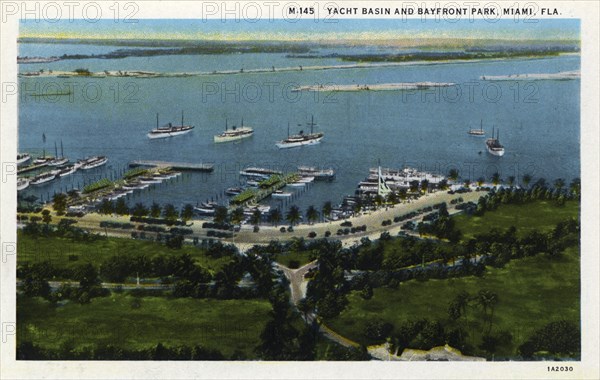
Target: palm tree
(327, 208)
(424, 185)
(453, 174)
(187, 212)
(378, 200)
(312, 214)
(575, 186)
(139, 209)
(293, 215)
(526, 179)
(467, 183)
(392, 197)
(488, 300)
(237, 215)
(480, 181)
(275, 216)
(511, 180)
(559, 183)
(496, 178)
(155, 210)
(255, 218)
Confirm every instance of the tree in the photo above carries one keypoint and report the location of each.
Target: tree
(453, 174)
(526, 179)
(121, 207)
(187, 212)
(293, 215)
(312, 214)
(392, 197)
(367, 292)
(496, 178)
(256, 217)
(237, 215)
(488, 300)
(275, 216)
(34, 285)
(480, 181)
(220, 214)
(155, 210)
(327, 209)
(575, 187)
(511, 180)
(46, 217)
(559, 183)
(87, 276)
(169, 212)
(139, 210)
(414, 186)
(425, 185)
(60, 203)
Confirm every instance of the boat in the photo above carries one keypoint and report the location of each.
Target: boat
(169, 130)
(22, 183)
(234, 133)
(232, 191)
(297, 184)
(493, 145)
(92, 162)
(318, 174)
(23, 158)
(477, 132)
(252, 183)
(306, 179)
(149, 180)
(58, 161)
(67, 170)
(301, 138)
(206, 208)
(280, 194)
(42, 160)
(260, 173)
(43, 178)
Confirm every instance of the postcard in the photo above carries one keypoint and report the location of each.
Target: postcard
(299, 189)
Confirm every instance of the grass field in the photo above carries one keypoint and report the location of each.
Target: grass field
(57, 251)
(540, 215)
(302, 258)
(225, 325)
(532, 292)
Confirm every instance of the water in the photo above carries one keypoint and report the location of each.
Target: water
(538, 121)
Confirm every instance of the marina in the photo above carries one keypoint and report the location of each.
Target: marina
(174, 165)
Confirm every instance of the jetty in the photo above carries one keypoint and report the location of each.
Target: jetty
(201, 167)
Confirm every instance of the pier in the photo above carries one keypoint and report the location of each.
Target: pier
(174, 165)
(29, 168)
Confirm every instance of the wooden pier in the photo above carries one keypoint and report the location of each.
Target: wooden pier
(174, 165)
(25, 169)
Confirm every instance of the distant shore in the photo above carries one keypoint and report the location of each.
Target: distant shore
(564, 75)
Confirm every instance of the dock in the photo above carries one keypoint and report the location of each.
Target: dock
(25, 169)
(173, 165)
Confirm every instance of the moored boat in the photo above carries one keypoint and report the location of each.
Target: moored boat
(23, 158)
(169, 130)
(22, 183)
(301, 138)
(477, 132)
(67, 170)
(234, 133)
(206, 208)
(280, 194)
(92, 162)
(493, 145)
(43, 178)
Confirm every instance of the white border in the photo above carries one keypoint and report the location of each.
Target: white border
(588, 368)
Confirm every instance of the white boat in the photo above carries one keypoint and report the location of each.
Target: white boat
(280, 194)
(297, 184)
(43, 178)
(149, 180)
(316, 173)
(301, 139)
(42, 161)
(493, 145)
(233, 191)
(93, 162)
(169, 130)
(68, 170)
(307, 179)
(234, 133)
(58, 161)
(206, 208)
(477, 132)
(260, 173)
(23, 158)
(22, 184)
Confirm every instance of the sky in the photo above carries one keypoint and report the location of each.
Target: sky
(303, 30)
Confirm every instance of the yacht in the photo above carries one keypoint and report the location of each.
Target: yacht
(92, 162)
(169, 130)
(301, 138)
(22, 184)
(234, 133)
(23, 158)
(43, 178)
(206, 208)
(318, 174)
(493, 145)
(477, 132)
(260, 173)
(281, 194)
(67, 170)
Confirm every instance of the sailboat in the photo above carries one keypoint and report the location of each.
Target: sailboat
(234, 133)
(301, 139)
(493, 145)
(58, 161)
(169, 130)
(477, 132)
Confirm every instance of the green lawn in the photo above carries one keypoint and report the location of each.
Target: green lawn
(540, 215)
(57, 251)
(225, 325)
(532, 292)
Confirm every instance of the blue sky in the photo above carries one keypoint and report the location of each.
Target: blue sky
(544, 29)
